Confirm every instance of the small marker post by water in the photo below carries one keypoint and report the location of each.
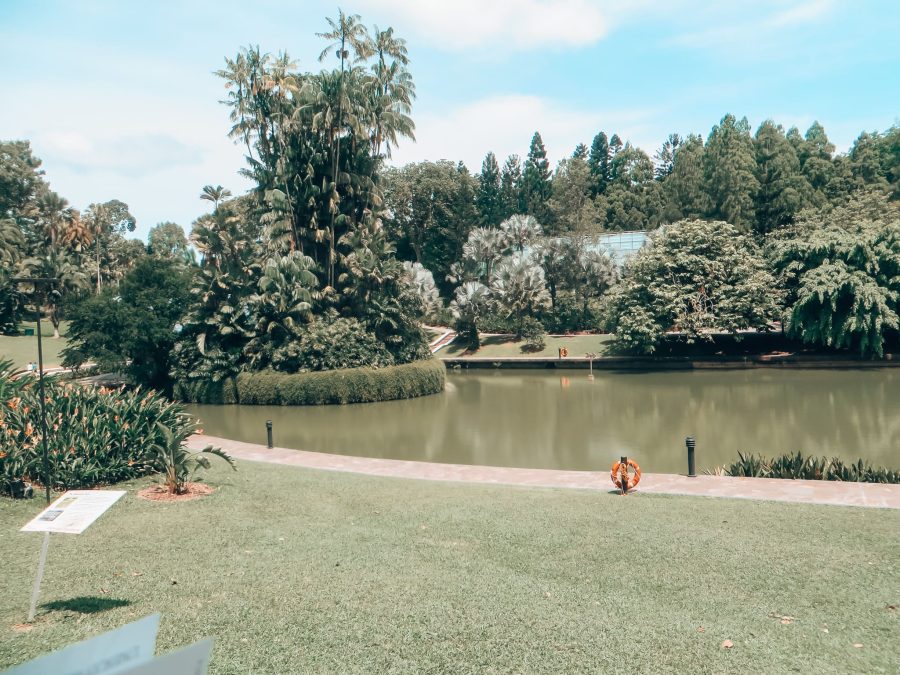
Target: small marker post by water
(269, 433)
(691, 443)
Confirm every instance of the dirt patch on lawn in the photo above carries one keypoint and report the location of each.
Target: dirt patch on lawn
(159, 493)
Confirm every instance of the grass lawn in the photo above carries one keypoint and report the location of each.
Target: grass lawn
(21, 349)
(502, 346)
(293, 570)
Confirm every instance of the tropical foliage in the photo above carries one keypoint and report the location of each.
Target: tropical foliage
(798, 466)
(841, 269)
(96, 436)
(695, 278)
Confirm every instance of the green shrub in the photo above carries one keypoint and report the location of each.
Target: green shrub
(96, 436)
(349, 385)
(533, 334)
(222, 391)
(797, 466)
(331, 344)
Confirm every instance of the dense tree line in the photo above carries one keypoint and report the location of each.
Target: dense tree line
(334, 259)
(42, 235)
(738, 196)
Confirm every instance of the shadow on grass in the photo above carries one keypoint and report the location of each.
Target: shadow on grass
(86, 604)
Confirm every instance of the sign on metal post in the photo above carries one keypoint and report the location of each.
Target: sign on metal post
(72, 513)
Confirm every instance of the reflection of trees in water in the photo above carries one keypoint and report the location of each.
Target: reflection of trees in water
(533, 418)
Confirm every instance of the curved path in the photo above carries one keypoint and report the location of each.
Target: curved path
(873, 495)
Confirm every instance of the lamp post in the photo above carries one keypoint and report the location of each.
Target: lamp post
(691, 443)
(34, 281)
(590, 357)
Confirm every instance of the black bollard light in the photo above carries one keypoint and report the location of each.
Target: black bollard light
(624, 462)
(269, 432)
(691, 443)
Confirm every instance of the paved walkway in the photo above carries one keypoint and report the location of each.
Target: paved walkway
(874, 495)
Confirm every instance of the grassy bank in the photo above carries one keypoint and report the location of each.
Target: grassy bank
(503, 346)
(294, 570)
(21, 349)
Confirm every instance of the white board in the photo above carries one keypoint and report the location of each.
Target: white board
(117, 651)
(74, 511)
(192, 660)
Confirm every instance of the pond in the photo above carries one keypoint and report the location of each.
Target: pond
(564, 420)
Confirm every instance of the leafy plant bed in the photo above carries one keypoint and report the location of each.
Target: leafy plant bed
(798, 466)
(95, 436)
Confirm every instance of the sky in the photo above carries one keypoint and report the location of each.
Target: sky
(120, 101)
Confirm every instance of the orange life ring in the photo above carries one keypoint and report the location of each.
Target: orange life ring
(620, 471)
(564, 352)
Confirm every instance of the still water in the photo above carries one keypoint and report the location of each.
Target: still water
(564, 420)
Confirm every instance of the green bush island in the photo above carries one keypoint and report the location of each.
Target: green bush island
(347, 385)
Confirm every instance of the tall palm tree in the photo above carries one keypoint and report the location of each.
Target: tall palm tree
(215, 194)
(394, 91)
(346, 34)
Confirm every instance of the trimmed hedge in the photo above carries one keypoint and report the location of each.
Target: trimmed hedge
(348, 385)
(223, 391)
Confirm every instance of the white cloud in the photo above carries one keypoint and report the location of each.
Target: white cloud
(804, 13)
(513, 24)
(505, 125)
(736, 32)
(129, 155)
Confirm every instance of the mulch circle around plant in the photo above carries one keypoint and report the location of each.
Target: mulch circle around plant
(159, 493)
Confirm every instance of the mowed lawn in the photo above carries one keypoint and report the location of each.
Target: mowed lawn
(22, 349)
(293, 570)
(504, 346)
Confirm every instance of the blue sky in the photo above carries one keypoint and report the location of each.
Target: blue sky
(119, 100)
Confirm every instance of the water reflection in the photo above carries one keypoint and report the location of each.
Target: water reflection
(564, 420)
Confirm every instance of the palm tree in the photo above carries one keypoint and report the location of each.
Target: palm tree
(471, 301)
(176, 461)
(284, 298)
(393, 92)
(346, 33)
(518, 287)
(485, 246)
(54, 264)
(215, 194)
(11, 242)
(521, 230)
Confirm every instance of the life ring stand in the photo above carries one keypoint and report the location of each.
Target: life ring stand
(619, 473)
(563, 352)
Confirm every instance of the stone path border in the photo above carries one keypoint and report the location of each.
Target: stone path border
(873, 495)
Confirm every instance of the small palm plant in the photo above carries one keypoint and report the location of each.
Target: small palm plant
(177, 462)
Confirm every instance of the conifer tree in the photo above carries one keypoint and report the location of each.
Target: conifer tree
(536, 179)
(664, 159)
(817, 163)
(865, 161)
(581, 152)
(729, 169)
(684, 188)
(598, 162)
(781, 186)
(511, 201)
(488, 198)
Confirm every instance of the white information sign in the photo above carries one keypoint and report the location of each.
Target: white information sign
(193, 660)
(118, 651)
(74, 511)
